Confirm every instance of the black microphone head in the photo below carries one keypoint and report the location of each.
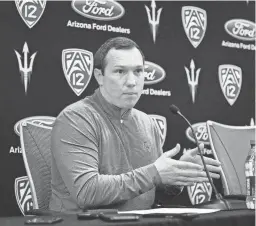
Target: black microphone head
(174, 109)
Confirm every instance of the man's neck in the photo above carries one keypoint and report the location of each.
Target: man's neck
(106, 97)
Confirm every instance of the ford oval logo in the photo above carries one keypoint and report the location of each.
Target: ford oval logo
(153, 73)
(98, 9)
(200, 131)
(241, 29)
(38, 120)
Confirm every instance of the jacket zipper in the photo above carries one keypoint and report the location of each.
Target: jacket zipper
(121, 119)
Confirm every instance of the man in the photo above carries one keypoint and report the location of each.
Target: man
(106, 154)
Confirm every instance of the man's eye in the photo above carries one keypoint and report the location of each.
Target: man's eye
(120, 71)
(139, 71)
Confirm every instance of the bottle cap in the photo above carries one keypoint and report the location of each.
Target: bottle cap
(252, 142)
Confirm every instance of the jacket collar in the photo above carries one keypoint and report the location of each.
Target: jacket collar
(112, 110)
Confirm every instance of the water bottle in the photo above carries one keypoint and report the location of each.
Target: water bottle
(250, 177)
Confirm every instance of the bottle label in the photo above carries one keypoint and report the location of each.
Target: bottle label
(250, 186)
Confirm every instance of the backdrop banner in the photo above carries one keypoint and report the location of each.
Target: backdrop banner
(200, 56)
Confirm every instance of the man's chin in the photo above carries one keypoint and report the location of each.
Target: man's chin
(129, 104)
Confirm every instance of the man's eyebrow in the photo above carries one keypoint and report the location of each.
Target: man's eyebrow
(122, 66)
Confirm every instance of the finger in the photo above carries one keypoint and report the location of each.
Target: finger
(172, 152)
(188, 166)
(183, 183)
(214, 169)
(195, 151)
(191, 173)
(211, 161)
(194, 180)
(201, 146)
(214, 175)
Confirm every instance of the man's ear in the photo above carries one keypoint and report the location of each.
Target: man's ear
(98, 75)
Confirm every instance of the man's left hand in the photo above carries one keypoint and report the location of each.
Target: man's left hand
(193, 156)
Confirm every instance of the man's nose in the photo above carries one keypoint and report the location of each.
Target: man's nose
(131, 79)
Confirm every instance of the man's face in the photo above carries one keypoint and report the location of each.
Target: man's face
(123, 79)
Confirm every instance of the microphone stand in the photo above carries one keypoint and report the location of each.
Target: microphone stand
(232, 202)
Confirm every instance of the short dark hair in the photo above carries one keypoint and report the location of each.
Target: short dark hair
(113, 43)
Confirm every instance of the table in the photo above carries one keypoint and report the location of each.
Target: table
(222, 218)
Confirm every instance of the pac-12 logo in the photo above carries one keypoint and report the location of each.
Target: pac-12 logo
(36, 120)
(161, 125)
(77, 65)
(30, 11)
(23, 194)
(199, 192)
(230, 78)
(194, 21)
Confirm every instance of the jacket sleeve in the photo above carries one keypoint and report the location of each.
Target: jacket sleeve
(74, 147)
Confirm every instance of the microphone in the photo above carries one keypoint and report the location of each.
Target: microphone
(220, 202)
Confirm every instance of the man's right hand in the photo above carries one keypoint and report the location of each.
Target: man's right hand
(176, 172)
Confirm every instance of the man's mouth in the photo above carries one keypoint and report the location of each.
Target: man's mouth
(130, 93)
